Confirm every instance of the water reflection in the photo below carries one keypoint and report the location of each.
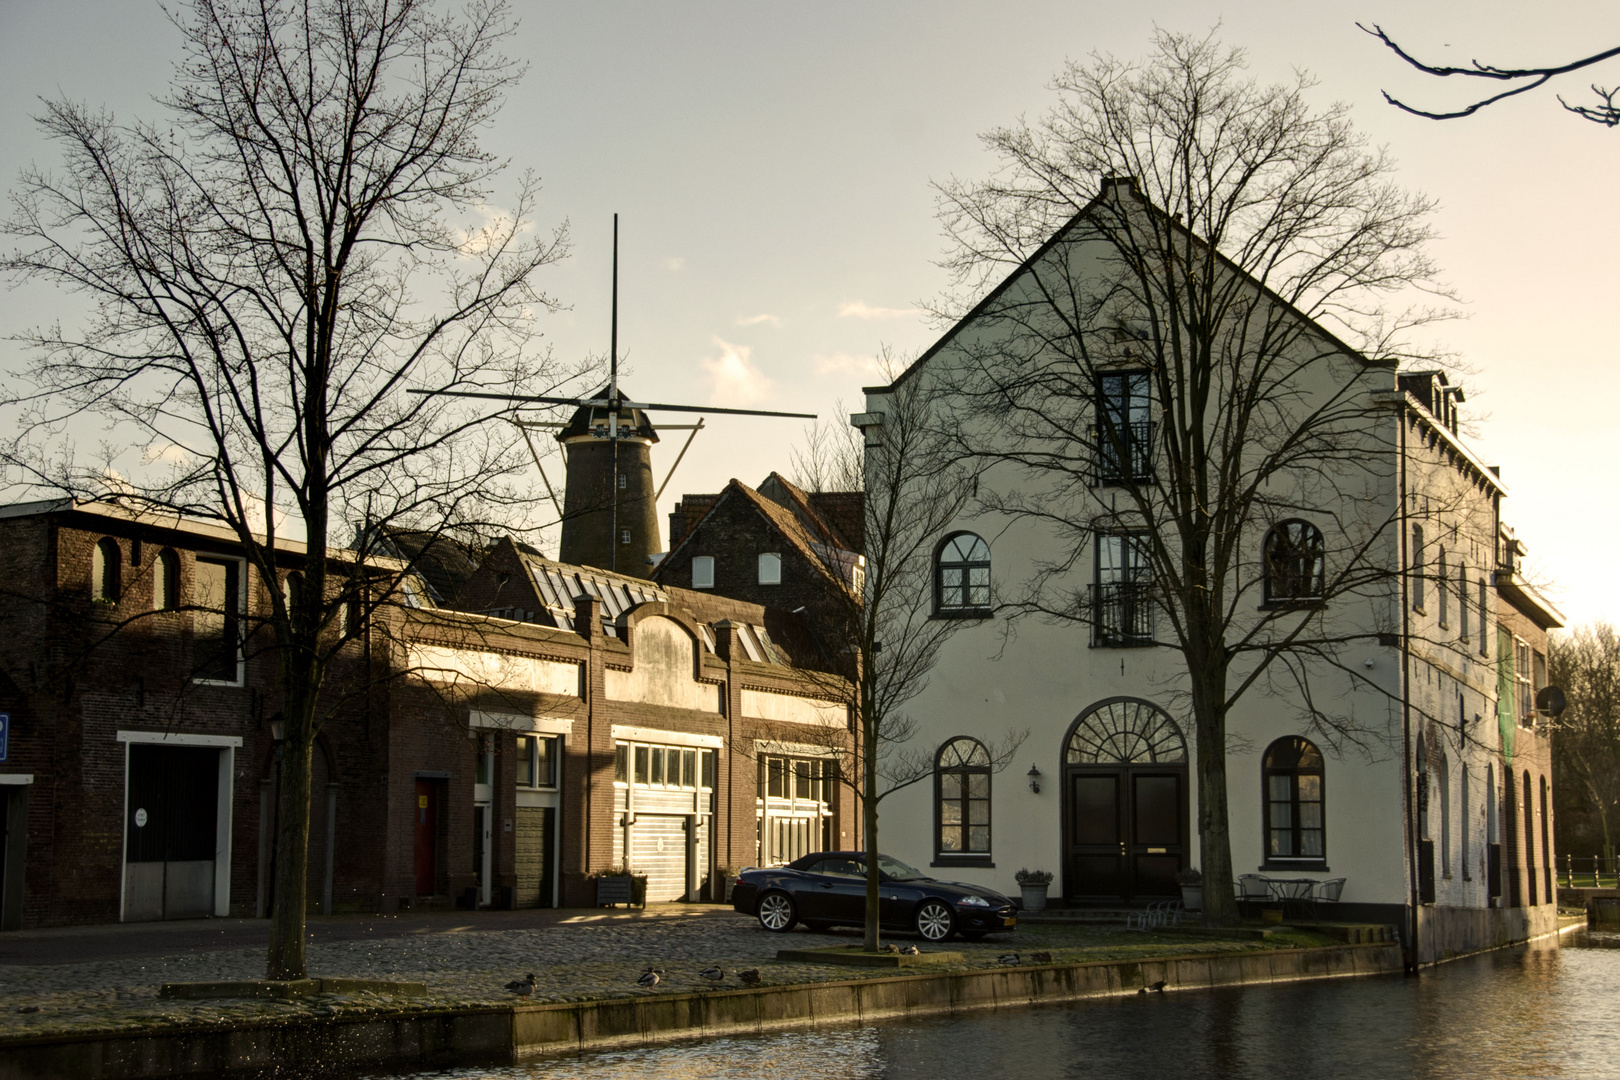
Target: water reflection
(1535, 1011)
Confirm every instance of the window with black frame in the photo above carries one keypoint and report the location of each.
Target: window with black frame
(1295, 825)
(962, 787)
(1124, 431)
(1295, 563)
(962, 576)
(1122, 598)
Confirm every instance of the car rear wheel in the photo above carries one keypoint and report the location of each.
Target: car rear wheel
(935, 921)
(776, 912)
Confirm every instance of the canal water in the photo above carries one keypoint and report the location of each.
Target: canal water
(1535, 1011)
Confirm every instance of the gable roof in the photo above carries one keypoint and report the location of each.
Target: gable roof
(795, 533)
(1109, 185)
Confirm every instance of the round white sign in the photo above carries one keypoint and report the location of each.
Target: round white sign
(140, 819)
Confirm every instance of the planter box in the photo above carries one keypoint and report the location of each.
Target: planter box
(1034, 896)
(612, 890)
(1192, 897)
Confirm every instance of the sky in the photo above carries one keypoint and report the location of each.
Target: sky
(772, 167)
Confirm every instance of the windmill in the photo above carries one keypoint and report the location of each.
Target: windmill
(607, 455)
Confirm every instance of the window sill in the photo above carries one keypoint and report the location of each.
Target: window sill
(983, 861)
(1304, 603)
(1317, 867)
(964, 613)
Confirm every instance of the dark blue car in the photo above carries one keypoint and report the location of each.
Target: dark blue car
(829, 888)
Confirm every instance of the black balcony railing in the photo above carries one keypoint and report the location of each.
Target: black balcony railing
(1124, 453)
(1122, 615)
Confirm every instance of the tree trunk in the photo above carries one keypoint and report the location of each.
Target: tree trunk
(286, 958)
(869, 830)
(1214, 818)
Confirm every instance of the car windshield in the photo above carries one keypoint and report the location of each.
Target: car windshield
(895, 870)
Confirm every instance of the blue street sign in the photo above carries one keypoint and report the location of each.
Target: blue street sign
(5, 735)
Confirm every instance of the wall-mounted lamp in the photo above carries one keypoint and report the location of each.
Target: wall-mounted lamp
(1034, 775)
(278, 728)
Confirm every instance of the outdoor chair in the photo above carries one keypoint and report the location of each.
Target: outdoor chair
(1327, 892)
(1252, 889)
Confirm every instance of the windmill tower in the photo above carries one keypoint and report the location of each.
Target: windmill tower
(609, 511)
(610, 517)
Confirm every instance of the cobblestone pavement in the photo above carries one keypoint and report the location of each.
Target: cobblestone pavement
(582, 955)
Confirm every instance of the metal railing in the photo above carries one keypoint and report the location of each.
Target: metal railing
(1588, 871)
(1124, 452)
(1122, 615)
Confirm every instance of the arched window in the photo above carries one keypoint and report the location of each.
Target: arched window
(1546, 845)
(1529, 841)
(106, 564)
(1464, 839)
(1295, 566)
(1442, 588)
(1295, 826)
(1462, 602)
(166, 581)
(1444, 779)
(962, 798)
(1417, 567)
(962, 575)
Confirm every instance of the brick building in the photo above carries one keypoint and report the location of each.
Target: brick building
(476, 759)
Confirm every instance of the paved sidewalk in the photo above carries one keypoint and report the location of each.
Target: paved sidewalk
(465, 961)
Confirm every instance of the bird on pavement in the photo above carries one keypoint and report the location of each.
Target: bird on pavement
(1040, 957)
(891, 947)
(1009, 959)
(712, 973)
(1158, 986)
(910, 950)
(649, 979)
(522, 987)
(749, 977)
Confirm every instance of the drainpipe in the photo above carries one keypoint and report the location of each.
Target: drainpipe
(1413, 853)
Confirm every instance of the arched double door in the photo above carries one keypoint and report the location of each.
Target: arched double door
(1125, 804)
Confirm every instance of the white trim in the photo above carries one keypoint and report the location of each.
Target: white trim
(16, 779)
(175, 738)
(772, 746)
(543, 725)
(670, 738)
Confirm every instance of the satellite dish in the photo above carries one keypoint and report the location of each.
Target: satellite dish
(1550, 700)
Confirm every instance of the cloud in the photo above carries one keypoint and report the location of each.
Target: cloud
(477, 241)
(845, 364)
(734, 381)
(167, 453)
(675, 264)
(860, 309)
(756, 320)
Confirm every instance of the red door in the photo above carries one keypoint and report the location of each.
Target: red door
(427, 836)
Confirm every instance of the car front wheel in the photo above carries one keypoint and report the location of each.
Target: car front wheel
(935, 921)
(776, 912)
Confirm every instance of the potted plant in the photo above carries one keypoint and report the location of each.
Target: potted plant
(621, 885)
(725, 877)
(1191, 881)
(1033, 885)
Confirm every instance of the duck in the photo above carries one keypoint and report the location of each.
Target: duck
(1040, 958)
(910, 950)
(522, 987)
(750, 977)
(1008, 959)
(1157, 987)
(891, 947)
(649, 979)
(713, 973)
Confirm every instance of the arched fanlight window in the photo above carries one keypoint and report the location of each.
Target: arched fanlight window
(1295, 825)
(1295, 563)
(962, 798)
(106, 566)
(962, 574)
(1125, 731)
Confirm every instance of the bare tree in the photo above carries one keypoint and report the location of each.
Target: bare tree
(883, 620)
(1520, 80)
(833, 457)
(1586, 738)
(303, 240)
(1165, 380)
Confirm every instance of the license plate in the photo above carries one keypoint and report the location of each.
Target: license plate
(1012, 920)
